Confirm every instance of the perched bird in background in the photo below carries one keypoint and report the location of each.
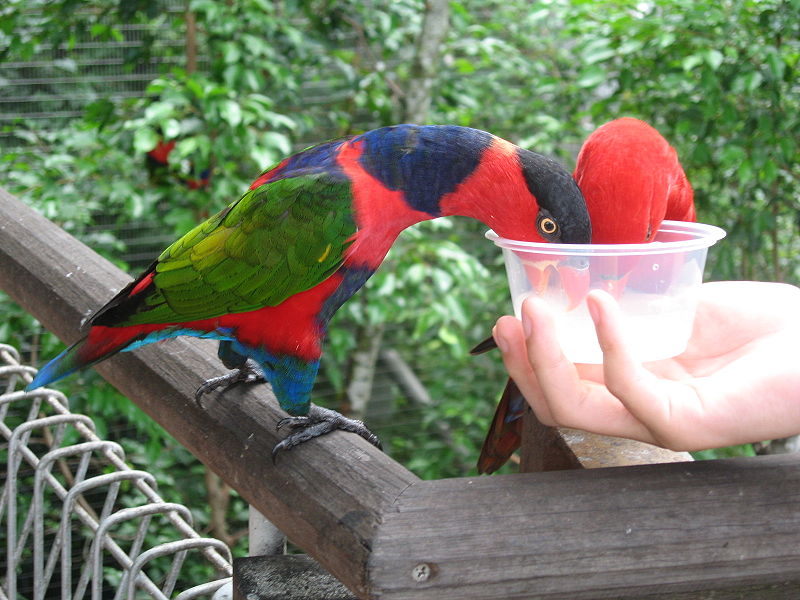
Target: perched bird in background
(157, 163)
(631, 180)
(265, 275)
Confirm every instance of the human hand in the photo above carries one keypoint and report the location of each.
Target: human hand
(738, 380)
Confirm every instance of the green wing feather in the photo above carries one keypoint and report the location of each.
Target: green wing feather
(281, 238)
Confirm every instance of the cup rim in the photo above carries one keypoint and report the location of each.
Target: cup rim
(704, 236)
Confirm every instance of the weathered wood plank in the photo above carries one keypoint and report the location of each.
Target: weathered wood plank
(328, 496)
(284, 577)
(659, 531)
(554, 448)
(598, 451)
(544, 448)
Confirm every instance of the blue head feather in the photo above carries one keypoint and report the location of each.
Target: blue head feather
(424, 161)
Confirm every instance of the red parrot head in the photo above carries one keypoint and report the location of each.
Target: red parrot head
(631, 180)
(522, 196)
(528, 197)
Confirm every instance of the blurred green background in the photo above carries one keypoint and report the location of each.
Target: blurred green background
(88, 88)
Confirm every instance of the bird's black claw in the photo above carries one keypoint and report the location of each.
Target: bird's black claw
(484, 346)
(318, 422)
(245, 374)
(293, 422)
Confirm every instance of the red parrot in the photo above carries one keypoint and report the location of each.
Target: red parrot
(631, 180)
(266, 274)
(158, 161)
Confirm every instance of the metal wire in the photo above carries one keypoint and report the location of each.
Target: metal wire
(57, 82)
(66, 493)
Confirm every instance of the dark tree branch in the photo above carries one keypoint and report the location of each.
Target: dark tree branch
(435, 25)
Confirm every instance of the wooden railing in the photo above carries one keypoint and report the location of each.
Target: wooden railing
(678, 530)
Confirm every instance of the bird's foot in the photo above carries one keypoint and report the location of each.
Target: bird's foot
(317, 422)
(248, 373)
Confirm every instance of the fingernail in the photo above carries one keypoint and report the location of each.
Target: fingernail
(527, 325)
(501, 342)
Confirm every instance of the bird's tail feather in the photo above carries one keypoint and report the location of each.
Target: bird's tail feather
(100, 343)
(505, 432)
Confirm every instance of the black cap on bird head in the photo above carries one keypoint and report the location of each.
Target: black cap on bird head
(563, 217)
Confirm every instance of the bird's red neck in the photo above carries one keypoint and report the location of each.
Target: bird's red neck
(496, 195)
(494, 190)
(380, 213)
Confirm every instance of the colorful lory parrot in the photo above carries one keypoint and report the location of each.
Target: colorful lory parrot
(157, 163)
(266, 274)
(631, 180)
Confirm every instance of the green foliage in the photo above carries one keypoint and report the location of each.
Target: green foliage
(76, 176)
(429, 283)
(718, 79)
(731, 451)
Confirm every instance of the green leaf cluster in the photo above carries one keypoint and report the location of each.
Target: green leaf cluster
(718, 79)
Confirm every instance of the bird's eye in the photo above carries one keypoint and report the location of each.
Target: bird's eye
(547, 227)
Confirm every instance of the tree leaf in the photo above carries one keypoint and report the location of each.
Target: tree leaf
(713, 58)
(591, 76)
(231, 52)
(231, 112)
(691, 61)
(596, 51)
(158, 111)
(145, 139)
(775, 63)
(171, 128)
(278, 141)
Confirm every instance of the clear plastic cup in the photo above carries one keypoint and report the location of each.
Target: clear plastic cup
(656, 285)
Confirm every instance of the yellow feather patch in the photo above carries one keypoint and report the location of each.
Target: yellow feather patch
(213, 243)
(325, 253)
(210, 260)
(504, 146)
(171, 265)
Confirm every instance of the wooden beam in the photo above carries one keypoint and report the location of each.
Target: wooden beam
(327, 496)
(679, 530)
(544, 448)
(284, 577)
(598, 451)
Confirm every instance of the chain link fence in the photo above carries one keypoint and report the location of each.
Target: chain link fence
(76, 521)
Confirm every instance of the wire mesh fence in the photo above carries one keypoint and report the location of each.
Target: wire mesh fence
(76, 521)
(58, 81)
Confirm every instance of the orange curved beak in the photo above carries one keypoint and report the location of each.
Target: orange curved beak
(573, 275)
(615, 287)
(576, 281)
(538, 273)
